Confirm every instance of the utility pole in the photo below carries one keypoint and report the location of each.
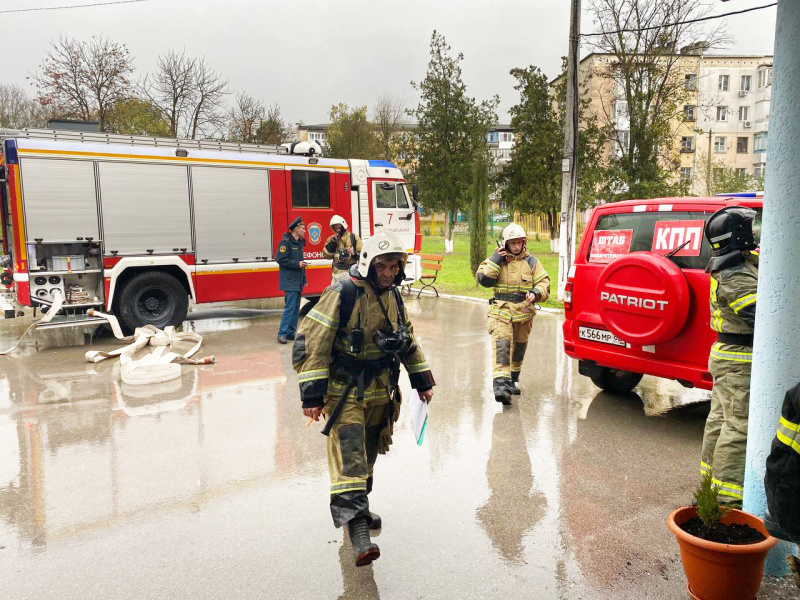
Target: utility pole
(569, 164)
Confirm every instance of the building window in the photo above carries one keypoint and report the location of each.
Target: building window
(760, 142)
(620, 109)
(688, 112)
(722, 113)
(741, 145)
(493, 137)
(314, 136)
(690, 82)
(758, 170)
(744, 113)
(764, 77)
(724, 80)
(741, 172)
(687, 144)
(746, 82)
(506, 136)
(311, 189)
(686, 174)
(720, 144)
(623, 140)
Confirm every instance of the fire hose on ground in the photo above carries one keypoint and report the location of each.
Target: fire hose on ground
(156, 367)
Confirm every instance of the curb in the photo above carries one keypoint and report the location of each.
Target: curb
(554, 311)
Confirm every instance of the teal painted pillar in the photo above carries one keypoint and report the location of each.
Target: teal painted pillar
(776, 351)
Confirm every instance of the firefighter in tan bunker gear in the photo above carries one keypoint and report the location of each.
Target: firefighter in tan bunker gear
(343, 247)
(519, 281)
(347, 355)
(734, 279)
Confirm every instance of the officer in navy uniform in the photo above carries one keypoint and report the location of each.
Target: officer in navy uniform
(291, 276)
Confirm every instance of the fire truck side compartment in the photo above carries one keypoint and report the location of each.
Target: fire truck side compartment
(232, 215)
(145, 207)
(60, 199)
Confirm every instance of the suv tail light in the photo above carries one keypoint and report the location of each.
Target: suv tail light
(568, 296)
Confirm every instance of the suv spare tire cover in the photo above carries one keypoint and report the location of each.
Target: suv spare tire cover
(643, 298)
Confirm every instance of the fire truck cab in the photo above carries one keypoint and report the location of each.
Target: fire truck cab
(141, 226)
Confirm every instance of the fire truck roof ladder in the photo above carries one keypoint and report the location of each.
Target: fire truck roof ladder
(61, 135)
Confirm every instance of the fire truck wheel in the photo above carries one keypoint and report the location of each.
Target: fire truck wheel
(615, 380)
(153, 298)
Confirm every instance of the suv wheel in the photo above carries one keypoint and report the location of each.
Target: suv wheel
(154, 298)
(615, 380)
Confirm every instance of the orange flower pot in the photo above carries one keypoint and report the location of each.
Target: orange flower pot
(721, 571)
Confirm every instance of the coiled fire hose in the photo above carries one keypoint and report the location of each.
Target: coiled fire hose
(156, 367)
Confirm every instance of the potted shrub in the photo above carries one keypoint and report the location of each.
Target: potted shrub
(722, 549)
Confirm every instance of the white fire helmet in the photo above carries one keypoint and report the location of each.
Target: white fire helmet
(383, 243)
(513, 232)
(337, 220)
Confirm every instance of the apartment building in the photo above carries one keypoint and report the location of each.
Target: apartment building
(725, 116)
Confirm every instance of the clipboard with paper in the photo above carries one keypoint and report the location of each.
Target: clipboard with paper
(419, 415)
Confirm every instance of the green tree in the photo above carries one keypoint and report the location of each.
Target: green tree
(649, 85)
(714, 176)
(451, 132)
(350, 134)
(531, 181)
(479, 209)
(137, 116)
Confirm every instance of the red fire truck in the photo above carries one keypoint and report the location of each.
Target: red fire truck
(141, 226)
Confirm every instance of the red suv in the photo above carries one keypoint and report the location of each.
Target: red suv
(637, 296)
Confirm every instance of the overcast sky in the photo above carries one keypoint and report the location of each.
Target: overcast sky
(309, 54)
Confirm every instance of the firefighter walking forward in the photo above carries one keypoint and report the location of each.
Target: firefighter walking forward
(734, 279)
(519, 281)
(342, 247)
(347, 355)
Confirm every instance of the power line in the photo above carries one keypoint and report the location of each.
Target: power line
(709, 18)
(19, 10)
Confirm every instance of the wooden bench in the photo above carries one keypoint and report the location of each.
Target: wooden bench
(430, 262)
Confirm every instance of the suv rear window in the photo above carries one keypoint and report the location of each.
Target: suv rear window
(659, 232)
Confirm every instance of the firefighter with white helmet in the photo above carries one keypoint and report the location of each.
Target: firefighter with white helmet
(519, 281)
(347, 355)
(343, 247)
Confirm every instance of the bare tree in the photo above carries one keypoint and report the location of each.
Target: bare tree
(18, 111)
(85, 79)
(245, 118)
(171, 87)
(207, 106)
(389, 116)
(188, 92)
(645, 38)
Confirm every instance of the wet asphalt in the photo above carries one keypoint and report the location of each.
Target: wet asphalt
(212, 486)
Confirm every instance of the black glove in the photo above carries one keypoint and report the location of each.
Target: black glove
(498, 259)
(538, 295)
(331, 246)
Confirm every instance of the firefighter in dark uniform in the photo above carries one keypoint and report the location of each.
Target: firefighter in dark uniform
(343, 247)
(347, 355)
(291, 276)
(734, 279)
(519, 281)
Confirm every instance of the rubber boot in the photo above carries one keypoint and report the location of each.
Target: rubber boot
(504, 398)
(363, 548)
(375, 521)
(515, 380)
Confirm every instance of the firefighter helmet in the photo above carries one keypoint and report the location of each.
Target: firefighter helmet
(337, 220)
(513, 232)
(386, 245)
(729, 231)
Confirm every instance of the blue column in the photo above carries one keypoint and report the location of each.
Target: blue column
(777, 339)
